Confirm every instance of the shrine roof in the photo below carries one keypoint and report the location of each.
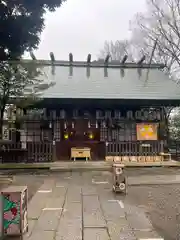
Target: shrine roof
(79, 80)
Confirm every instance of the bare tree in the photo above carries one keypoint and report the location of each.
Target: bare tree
(117, 50)
(161, 22)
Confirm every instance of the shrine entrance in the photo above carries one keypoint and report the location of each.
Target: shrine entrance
(82, 134)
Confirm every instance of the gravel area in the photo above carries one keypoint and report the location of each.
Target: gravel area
(153, 171)
(162, 205)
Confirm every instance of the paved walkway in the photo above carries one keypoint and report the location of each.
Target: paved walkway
(154, 180)
(83, 165)
(81, 206)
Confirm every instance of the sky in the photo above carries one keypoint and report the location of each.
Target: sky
(82, 27)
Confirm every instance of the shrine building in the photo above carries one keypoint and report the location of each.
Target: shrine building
(113, 110)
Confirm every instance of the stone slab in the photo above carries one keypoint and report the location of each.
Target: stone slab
(112, 210)
(120, 229)
(59, 191)
(69, 229)
(35, 207)
(147, 235)
(48, 221)
(118, 225)
(139, 222)
(31, 225)
(45, 235)
(34, 212)
(121, 234)
(92, 213)
(47, 185)
(73, 194)
(61, 183)
(96, 234)
(72, 210)
(94, 219)
(127, 234)
(89, 190)
(70, 224)
(53, 202)
(38, 201)
(131, 209)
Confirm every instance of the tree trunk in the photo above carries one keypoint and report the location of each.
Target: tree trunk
(1, 122)
(3, 55)
(166, 120)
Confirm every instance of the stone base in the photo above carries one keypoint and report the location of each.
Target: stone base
(134, 158)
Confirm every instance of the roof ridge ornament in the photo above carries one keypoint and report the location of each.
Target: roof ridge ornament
(52, 57)
(88, 65)
(139, 63)
(70, 64)
(122, 71)
(106, 61)
(70, 58)
(89, 58)
(143, 58)
(124, 59)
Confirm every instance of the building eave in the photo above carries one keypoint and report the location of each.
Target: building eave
(94, 64)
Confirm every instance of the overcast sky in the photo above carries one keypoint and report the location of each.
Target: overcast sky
(82, 26)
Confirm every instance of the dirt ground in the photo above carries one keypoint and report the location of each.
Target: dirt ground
(162, 205)
(160, 202)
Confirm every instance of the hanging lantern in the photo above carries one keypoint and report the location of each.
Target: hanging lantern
(66, 136)
(50, 125)
(96, 124)
(89, 124)
(65, 125)
(72, 124)
(91, 136)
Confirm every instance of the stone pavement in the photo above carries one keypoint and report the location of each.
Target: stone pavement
(64, 166)
(154, 180)
(81, 206)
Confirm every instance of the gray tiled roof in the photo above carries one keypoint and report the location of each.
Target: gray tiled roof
(130, 85)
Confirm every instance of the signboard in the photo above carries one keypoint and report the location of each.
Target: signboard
(5, 132)
(146, 131)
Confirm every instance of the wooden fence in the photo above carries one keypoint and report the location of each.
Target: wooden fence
(39, 152)
(134, 148)
(11, 152)
(174, 149)
(43, 151)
